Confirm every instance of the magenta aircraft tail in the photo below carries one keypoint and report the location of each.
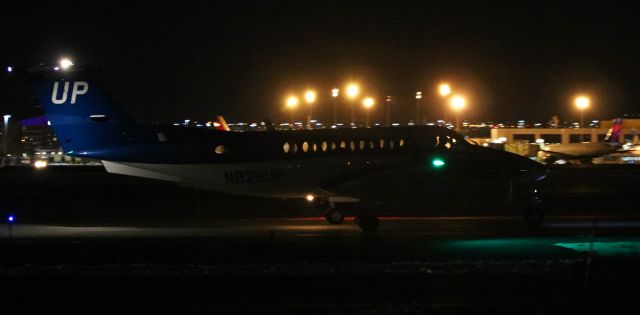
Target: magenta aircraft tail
(221, 124)
(613, 135)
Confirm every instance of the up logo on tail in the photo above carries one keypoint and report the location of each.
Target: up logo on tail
(79, 88)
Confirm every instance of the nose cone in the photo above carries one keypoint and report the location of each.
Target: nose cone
(522, 168)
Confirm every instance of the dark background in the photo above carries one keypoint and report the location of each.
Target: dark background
(167, 61)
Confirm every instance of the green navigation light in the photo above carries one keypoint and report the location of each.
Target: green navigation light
(437, 162)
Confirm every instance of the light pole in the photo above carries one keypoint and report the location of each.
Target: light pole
(418, 98)
(457, 104)
(352, 92)
(582, 103)
(292, 104)
(444, 90)
(310, 97)
(388, 102)
(335, 93)
(6, 134)
(368, 104)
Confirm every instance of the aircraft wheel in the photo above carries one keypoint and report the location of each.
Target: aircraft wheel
(367, 222)
(334, 216)
(534, 217)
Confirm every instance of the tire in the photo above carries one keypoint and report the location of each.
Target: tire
(334, 216)
(534, 217)
(367, 222)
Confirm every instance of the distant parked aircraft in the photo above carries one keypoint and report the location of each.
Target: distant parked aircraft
(584, 152)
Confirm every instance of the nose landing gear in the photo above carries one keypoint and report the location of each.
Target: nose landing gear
(534, 214)
(534, 217)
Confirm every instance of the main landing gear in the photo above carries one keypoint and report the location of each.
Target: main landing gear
(334, 216)
(366, 222)
(534, 217)
(331, 214)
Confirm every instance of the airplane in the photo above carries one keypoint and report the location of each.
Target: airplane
(584, 152)
(363, 168)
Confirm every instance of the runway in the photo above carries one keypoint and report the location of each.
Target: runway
(443, 265)
(312, 239)
(446, 226)
(297, 227)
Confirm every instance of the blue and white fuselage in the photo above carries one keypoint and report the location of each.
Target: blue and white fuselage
(373, 164)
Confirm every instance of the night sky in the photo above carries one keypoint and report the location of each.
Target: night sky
(165, 61)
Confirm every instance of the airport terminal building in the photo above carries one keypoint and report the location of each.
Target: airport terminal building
(628, 134)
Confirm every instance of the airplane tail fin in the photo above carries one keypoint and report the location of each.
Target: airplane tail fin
(221, 124)
(83, 115)
(613, 135)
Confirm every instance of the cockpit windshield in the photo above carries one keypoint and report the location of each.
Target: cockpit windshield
(471, 142)
(454, 139)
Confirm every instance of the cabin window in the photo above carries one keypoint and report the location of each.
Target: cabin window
(361, 144)
(286, 147)
(219, 149)
(401, 143)
(352, 145)
(391, 144)
(315, 147)
(371, 145)
(381, 143)
(294, 149)
(333, 146)
(305, 146)
(343, 145)
(324, 146)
